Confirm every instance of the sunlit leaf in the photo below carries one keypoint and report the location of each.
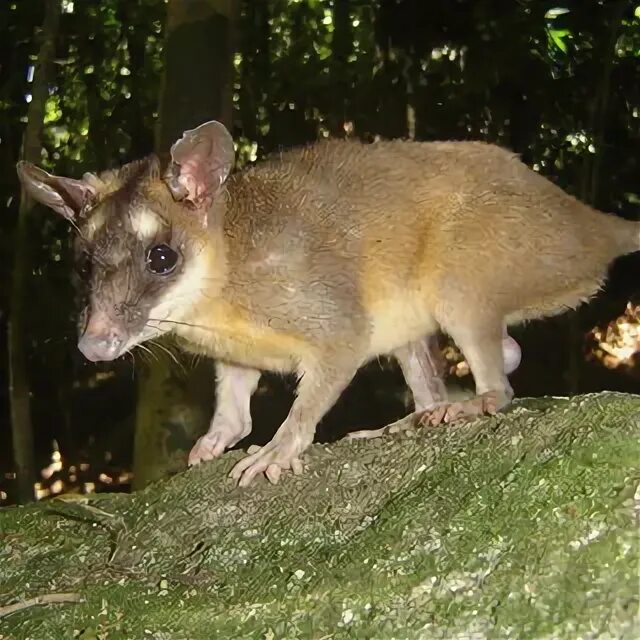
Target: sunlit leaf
(554, 13)
(52, 110)
(557, 36)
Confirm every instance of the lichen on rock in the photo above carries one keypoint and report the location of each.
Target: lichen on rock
(523, 525)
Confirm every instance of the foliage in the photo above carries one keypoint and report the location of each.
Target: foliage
(559, 84)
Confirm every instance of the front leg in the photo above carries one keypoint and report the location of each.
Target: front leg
(232, 418)
(321, 383)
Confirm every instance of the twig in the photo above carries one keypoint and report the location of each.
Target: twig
(51, 598)
(404, 424)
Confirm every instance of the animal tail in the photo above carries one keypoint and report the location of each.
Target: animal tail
(627, 234)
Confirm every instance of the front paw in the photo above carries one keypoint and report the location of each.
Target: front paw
(272, 460)
(212, 444)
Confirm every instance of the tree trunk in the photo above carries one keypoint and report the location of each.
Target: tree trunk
(19, 390)
(197, 86)
(522, 525)
(92, 50)
(342, 48)
(255, 72)
(198, 74)
(591, 178)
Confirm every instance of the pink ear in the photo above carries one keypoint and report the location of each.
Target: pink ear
(200, 163)
(65, 196)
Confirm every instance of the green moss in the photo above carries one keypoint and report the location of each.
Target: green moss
(522, 525)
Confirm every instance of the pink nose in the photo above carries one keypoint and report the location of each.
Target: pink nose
(102, 340)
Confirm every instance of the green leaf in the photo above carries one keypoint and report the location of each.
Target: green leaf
(555, 12)
(557, 37)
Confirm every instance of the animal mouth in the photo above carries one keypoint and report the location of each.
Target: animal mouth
(113, 341)
(101, 348)
(103, 339)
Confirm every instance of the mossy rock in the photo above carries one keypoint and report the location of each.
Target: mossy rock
(523, 525)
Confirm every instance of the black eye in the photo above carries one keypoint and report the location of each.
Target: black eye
(83, 266)
(161, 259)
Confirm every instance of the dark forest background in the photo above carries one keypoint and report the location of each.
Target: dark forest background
(89, 85)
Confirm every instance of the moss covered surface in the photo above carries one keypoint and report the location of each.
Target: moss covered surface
(524, 525)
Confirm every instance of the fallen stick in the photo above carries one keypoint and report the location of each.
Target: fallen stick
(407, 423)
(51, 598)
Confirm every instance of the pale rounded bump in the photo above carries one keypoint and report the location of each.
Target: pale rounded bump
(254, 448)
(511, 353)
(297, 467)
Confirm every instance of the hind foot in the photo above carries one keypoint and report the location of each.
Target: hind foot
(486, 404)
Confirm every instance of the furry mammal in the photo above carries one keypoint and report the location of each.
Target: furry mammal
(321, 258)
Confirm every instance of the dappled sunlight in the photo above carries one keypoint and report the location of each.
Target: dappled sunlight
(61, 477)
(617, 344)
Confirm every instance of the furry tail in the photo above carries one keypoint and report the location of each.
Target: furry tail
(627, 234)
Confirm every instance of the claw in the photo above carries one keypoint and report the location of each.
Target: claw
(485, 404)
(434, 417)
(273, 473)
(213, 444)
(206, 448)
(272, 460)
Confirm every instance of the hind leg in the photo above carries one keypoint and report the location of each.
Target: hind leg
(490, 353)
(421, 366)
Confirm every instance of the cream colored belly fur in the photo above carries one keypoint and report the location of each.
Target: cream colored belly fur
(399, 320)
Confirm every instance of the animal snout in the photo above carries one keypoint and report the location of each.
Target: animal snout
(102, 340)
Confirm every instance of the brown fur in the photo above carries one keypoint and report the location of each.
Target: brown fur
(342, 240)
(321, 258)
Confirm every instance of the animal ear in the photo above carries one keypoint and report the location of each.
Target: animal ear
(65, 196)
(201, 161)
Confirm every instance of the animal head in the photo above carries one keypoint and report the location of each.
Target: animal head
(141, 242)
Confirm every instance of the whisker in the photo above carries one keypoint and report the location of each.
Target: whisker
(77, 228)
(145, 348)
(55, 340)
(133, 363)
(184, 324)
(169, 353)
(141, 355)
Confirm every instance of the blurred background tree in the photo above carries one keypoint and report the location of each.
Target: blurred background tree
(173, 405)
(19, 391)
(557, 82)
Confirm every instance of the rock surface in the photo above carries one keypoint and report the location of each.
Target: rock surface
(524, 525)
